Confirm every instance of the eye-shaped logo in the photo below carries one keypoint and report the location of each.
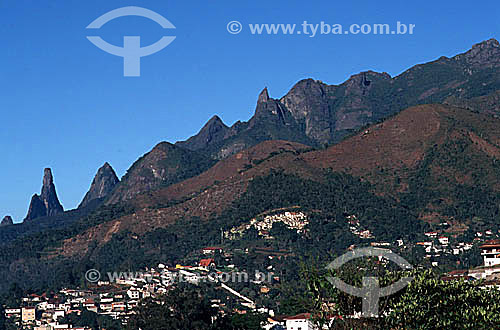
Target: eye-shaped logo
(371, 290)
(131, 50)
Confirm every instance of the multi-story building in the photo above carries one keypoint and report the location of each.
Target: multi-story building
(28, 314)
(490, 251)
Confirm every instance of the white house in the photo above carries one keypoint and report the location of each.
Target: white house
(443, 240)
(133, 294)
(491, 253)
(299, 322)
(10, 312)
(58, 313)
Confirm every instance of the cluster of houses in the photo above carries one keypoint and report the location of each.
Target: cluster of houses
(356, 228)
(118, 294)
(438, 245)
(292, 220)
(44, 313)
(116, 300)
(435, 246)
(489, 272)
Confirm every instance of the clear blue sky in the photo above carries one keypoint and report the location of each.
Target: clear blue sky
(66, 105)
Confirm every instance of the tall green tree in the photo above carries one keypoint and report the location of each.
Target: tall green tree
(187, 308)
(430, 303)
(178, 309)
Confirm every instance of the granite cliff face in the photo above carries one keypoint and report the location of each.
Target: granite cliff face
(6, 221)
(47, 203)
(164, 165)
(269, 110)
(103, 184)
(485, 54)
(315, 113)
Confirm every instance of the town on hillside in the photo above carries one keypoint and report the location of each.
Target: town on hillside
(116, 295)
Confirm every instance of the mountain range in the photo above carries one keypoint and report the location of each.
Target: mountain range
(312, 113)
(425, 145)
(315, 113)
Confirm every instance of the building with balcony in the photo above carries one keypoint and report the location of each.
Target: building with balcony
(490, 251)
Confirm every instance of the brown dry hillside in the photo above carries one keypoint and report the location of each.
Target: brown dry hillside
(442, 162)
(201, 196)
(425, 148)
(395, 148)
(238, 167)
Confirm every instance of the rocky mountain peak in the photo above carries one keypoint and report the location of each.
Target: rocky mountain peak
(315, 113)
(36, 209)
(485, 54)
(103, 184)
(365, 79)
(215, 120)
(308, 103)
(299, 98)
(48, 179)
(164, 165)
(263, 96)
(46, 203)
(490, 43)
(212, 132)
(212, 127)
(6, 221)
(268, 109)
(303, 87)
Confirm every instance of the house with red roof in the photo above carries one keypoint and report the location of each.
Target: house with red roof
(207, 263)
(490, 250)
